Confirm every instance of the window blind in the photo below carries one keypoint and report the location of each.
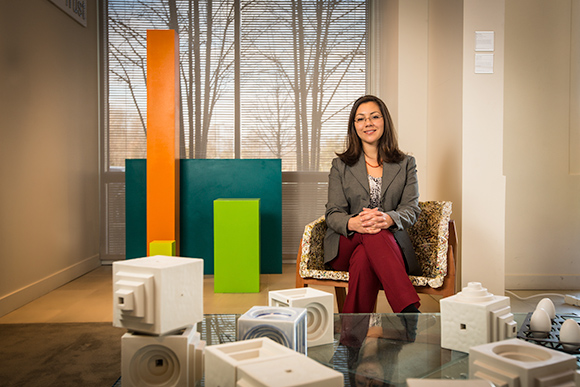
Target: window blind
(274, 79)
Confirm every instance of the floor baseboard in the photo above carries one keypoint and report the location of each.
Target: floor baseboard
(26, 294)
(539, 282)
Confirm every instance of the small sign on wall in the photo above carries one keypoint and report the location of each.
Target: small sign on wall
(484, 42)
(77, 9)
(484, 63)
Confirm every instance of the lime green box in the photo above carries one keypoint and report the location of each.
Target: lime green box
(166, 248)
(236, 245)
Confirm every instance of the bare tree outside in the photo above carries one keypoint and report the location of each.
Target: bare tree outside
(316, 51)
(206, 60)
(273, 124)
(258, 78)
(302, 64)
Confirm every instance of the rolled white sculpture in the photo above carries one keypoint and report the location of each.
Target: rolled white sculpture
(570, 335)
(540, 323)
(319, 309)
(548, 306)
(284, 325)
(168, 360)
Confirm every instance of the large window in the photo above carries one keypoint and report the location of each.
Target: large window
(259, 79)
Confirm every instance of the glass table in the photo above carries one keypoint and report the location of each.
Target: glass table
(372, 349)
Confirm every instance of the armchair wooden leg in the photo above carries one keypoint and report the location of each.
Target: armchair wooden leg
(340, 297)
(299, 279)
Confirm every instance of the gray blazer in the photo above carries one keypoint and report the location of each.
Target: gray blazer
(349, 193)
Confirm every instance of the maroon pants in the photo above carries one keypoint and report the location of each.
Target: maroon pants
(374, 261)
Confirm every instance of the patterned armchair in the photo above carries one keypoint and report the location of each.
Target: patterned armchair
(434, 239)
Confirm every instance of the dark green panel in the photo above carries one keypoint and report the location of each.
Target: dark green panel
(135, 208)
(203, 181)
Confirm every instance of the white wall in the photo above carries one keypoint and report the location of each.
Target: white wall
(542, 145)
(504, 147)
(49, 200)
(483, 182)
(444, 132)
(418, 72)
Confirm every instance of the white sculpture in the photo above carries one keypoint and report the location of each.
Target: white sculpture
(173, 359)
(514, 363)
(196, 359)
(158, 294)
(295, 370)
(319, 308)
(263, 362)
(286, 326)
(474, 317)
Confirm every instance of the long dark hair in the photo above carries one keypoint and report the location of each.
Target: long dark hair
(388, 145)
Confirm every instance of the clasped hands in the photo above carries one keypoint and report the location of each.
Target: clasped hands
(370, 221)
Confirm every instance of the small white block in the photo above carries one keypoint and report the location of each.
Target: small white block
(320, 310)
(221, 361)
(284, 325)
(516, 362)
(158, 294)
(294, 370)
(148, 360)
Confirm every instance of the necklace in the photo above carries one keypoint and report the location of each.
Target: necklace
(372, 166)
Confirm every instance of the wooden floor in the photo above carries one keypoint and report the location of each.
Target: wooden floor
(89, 299)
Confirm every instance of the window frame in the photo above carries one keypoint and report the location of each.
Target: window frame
(311, 182)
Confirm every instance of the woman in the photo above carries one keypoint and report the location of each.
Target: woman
(372, 193)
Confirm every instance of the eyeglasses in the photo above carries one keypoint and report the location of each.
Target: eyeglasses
(374, 119)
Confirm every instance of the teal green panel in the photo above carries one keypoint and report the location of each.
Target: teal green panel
(237, 246)
(204, 180)
(135, 208)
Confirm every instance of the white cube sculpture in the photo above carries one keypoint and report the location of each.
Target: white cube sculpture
(221, 361)
(474, 317)
(148, 360)
(319, 309)
(514, 363)
(157, 294)
(284, 325)
(294, 370)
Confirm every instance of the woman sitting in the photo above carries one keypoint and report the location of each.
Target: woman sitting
(373, 196)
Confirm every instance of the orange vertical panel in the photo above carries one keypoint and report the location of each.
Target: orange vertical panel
(162, 136)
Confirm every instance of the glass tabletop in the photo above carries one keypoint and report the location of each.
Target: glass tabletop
(371, 349)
